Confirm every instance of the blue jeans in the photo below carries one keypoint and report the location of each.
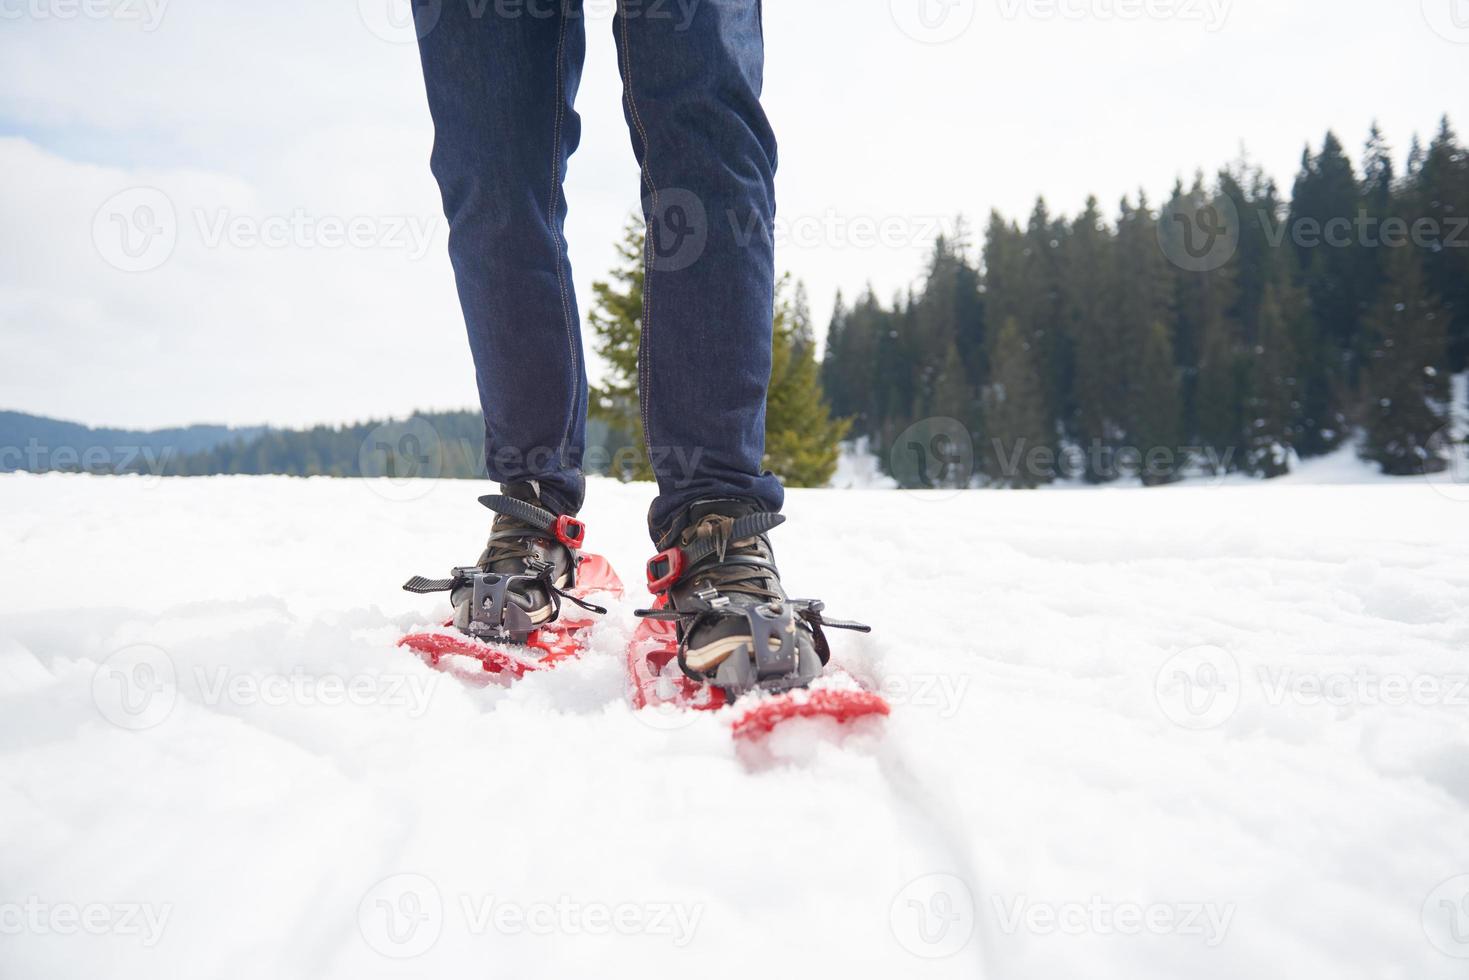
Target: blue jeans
(502, 77)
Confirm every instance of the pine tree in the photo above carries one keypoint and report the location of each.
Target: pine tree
(1217, 398)
(1088, 305)
(1203, 300)
(801, 437)
(1438, 192)
(1267, 407)
(1015, 412)
(1325, 195)
(1152, 413)
(1155, 410)
(1405, 390)
(616, 318)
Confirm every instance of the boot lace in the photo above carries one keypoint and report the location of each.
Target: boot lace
(733, 577)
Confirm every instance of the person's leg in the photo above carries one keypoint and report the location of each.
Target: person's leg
(500, 89)
(691, 93)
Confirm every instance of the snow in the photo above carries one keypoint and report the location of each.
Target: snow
(1199, 731)
(858, 468)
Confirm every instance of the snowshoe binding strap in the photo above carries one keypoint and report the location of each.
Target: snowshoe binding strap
(669, 565)
(565, 529)
(492, 616)
(493, 613)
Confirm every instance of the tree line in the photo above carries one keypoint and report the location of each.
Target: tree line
(1229, 330)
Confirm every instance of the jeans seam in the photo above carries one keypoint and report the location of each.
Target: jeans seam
(645, 353)
(559, 240)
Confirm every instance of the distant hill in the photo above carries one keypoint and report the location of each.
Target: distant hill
(40, 444)
(427, 444)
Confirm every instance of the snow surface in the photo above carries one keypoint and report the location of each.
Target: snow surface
(1108, 758)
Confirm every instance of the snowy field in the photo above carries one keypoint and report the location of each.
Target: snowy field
(1194, 732)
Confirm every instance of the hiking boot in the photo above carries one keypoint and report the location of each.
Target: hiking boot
(737, 628)
(527, 567)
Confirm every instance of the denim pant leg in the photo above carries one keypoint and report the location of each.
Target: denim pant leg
(692, 76)
(501, 84)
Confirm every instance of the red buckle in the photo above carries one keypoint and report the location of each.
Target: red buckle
(570, 532)
(664, 569)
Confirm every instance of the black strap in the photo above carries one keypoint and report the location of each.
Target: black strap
(749, 526)
(537, 517)
(428, 586)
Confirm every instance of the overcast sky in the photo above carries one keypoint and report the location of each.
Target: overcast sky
(294, 271)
